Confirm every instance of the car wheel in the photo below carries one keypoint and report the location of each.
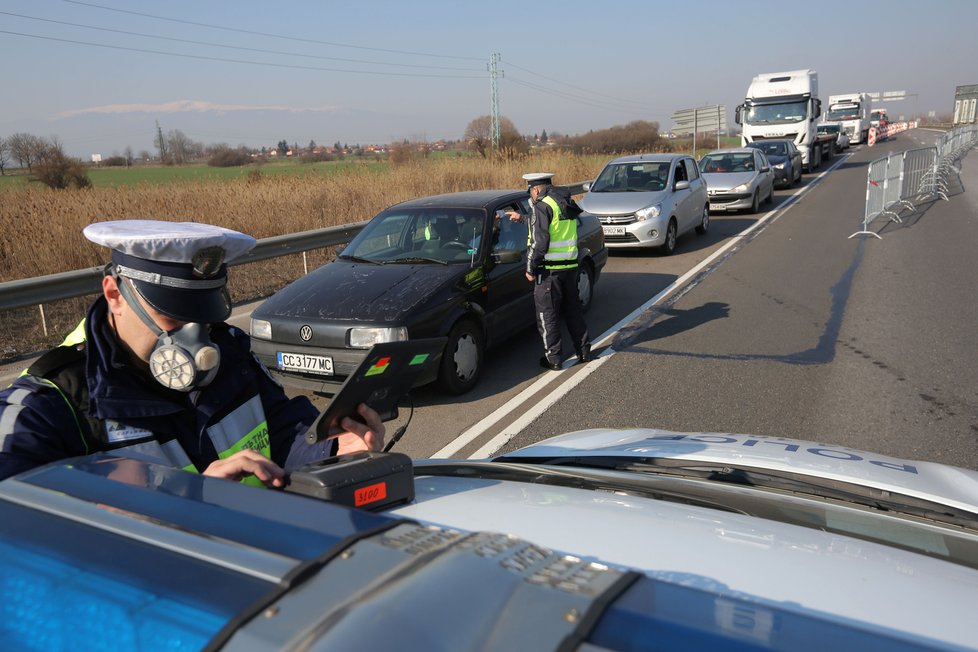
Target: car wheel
(672, 232)
(770, 195)
(461, 363)
(756, 202)
(795, 178)
(704, 224)
(585, 285)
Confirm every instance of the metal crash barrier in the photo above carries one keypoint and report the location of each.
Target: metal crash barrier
(904, 180)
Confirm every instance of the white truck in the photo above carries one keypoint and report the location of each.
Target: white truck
(785, 105)
(853, 111)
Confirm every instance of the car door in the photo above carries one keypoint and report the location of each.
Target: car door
(694, 198)
(509, 300)
(763, 166)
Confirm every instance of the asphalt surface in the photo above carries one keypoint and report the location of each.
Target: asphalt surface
(803, 332)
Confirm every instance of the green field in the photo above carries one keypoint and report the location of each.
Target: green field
(113, 177)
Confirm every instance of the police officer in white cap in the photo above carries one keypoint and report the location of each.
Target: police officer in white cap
(154, 372)
(551, 265)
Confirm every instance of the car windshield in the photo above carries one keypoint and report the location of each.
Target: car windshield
(773, 114)
(772, 149)
(635, 176)
(739, 162)
(420, 235)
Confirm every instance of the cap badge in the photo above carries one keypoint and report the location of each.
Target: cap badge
(207, 262)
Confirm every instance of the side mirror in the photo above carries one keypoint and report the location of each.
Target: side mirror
(681, 185)
(737, 116)
(586, 186)
(507, 256)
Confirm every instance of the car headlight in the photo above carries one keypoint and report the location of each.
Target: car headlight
(744, 187)
(648, 212)
(778, 166)
(261, 329)
(364, 338)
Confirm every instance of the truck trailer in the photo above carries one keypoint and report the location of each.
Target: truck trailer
(785, 105)
(853, 111)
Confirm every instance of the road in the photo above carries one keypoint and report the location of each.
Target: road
(790, 330)
(776, 324)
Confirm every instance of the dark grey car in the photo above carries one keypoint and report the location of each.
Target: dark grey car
(430, 267)
(785, 160)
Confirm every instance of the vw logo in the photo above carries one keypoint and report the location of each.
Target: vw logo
(305, 333)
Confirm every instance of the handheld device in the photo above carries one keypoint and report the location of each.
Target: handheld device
(386, 374)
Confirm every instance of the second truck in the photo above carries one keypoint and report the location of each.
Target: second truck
(853, 111)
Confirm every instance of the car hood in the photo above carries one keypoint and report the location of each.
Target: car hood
(361, 292)
(620, 203)
(727, 180)
(938, 483)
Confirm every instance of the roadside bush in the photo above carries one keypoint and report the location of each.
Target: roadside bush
(114, 161)
(638, 136)
(57, 170)
(229, 158)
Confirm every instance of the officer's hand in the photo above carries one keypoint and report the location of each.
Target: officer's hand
(513, 216)
(530, 277)
(366, 435)
(244, 463)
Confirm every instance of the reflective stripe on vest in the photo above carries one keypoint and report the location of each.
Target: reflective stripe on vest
(562, 253)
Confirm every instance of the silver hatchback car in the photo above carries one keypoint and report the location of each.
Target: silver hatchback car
(648, 200)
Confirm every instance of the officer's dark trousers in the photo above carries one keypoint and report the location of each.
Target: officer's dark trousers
(555, 296)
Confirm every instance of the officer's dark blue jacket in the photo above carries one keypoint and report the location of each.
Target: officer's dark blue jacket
(127, 409)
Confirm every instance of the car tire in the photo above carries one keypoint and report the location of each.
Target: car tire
(770, 195)
(672, 234)
(461, 362)
(704, 224)
(795, 179)
(756, 202)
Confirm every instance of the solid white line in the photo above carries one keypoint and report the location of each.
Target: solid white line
(520, 399)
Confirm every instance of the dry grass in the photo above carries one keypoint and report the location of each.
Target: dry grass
(40, 229)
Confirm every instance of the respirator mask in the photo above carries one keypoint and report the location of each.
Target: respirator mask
(182, 359)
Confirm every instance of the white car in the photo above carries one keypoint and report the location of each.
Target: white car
(648, 200)
(593, 540)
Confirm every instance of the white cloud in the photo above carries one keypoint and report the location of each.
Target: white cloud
(189, 106)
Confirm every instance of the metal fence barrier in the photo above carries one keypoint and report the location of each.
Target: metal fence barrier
(902, 181)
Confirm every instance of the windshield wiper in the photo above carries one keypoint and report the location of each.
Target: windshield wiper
(411, 260)
(358, 259)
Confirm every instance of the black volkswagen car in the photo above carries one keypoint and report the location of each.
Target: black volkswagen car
(429, 267)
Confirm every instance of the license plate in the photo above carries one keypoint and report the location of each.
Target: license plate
(717, 207)
(614, 230)
(310, 364)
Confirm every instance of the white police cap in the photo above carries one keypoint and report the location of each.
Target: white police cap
(538, 178)
(179, 268)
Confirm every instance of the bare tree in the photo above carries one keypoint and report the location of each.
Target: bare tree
(129, 157)
(26, 148)
(180, 148)
(478, 136)
(4, 155)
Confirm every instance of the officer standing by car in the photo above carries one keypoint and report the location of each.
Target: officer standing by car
(154, 372)
(551, 266)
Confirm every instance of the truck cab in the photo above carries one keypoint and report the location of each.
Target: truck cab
(852, 110)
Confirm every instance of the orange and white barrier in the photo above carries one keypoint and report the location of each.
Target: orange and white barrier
(882, 133)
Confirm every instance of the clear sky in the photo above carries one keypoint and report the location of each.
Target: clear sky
(99, 74)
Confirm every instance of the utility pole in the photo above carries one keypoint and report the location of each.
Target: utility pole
(160, 142)
(494, 93)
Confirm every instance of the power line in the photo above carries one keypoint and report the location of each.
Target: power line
(241, 61)
(575, 98)
(231, 47)
(281, 36)
(637, 104)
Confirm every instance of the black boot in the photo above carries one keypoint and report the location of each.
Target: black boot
(552, 366)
